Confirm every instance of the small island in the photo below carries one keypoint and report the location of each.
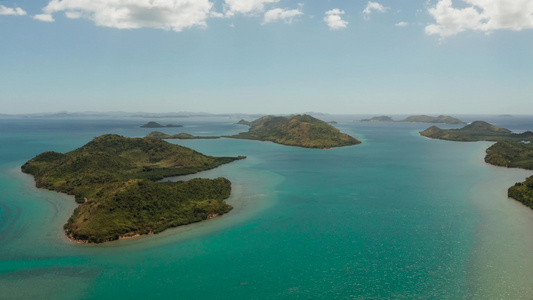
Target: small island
(475, 131)
(511, 150)
(157, 125)
(179, 136)
(244, 122)
(378, 119)
(429, 119)
(299, 130)
(115, 180)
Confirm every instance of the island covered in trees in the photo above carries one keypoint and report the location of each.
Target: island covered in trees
(511, 150)
(297, 130)
(429, 119)
(114, 179)
(378, 119)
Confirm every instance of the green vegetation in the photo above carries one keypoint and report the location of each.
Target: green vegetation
(378, 119)
(113, 178)
(157, 125)
(300, 130)
(511, 150)
(511, 155)
(179, 136)
(428, 119)
(523, 192)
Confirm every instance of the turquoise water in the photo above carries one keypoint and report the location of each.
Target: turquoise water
(398, 217)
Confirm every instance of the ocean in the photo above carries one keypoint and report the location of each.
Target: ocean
(397, 217)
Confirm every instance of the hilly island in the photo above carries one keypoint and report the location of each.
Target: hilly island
(114, 179)
(429, 119)
(511, 150)
(179, 136)
(299, 130)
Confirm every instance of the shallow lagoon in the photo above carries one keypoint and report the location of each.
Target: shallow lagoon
(399, 216)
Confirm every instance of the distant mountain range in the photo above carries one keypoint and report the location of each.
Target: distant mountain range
(120, 114)
(418, 119)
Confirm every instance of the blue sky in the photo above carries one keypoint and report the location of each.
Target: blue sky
(267, 56)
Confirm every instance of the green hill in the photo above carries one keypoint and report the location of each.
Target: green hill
(113, 177)
(300, 130)
(428, 119)
(244, 122)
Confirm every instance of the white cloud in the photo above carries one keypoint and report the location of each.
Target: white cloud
(215, 14)
(44, 18)
(401, 24)
(480, 15)
(279, 14)
(334, 20)
(162, 14)
(245, 7)
(8, 11)
(373, 6)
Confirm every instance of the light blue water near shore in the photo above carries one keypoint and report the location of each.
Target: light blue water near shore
(399, 216)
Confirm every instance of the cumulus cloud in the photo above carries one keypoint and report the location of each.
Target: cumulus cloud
(480, 15)
(163, 14)
(245, 7)
(283, 15)
(8, 11)
(334, 20)
(373, 6)
(44, 18)
(401, 24)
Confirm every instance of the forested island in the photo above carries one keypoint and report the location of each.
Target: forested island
(511, 150)
(157, 125)
(429, 119)
(298, 130)
(378, 119)
(114, 179)
(179, 136)
(244, 122)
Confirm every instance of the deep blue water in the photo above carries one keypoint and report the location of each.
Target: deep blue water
(397, 217)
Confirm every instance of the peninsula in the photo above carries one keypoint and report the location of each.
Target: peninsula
(511, 150)
(179, 136)
(297, 130)
(114, 179)
(157, 125)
